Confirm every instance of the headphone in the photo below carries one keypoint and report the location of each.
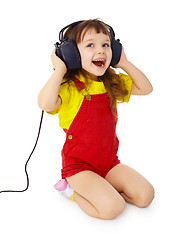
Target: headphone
(68, 52)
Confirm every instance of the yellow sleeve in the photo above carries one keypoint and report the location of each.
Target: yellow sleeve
(128, 84)
(64, 95)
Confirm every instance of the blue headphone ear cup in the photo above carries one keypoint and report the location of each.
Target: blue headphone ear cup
(69, 53)
(116, 47)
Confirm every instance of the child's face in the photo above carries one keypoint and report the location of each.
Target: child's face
(96, 53)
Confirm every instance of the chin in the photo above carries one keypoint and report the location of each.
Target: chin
(99, 72)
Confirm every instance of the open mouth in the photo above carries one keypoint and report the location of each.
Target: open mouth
(99, 62)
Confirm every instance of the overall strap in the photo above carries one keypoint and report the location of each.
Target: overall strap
(80, 85)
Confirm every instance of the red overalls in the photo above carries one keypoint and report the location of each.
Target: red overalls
(91, 141)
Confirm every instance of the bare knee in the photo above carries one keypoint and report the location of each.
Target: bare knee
(113, 209)
(145, 197)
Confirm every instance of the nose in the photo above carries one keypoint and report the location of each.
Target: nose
(100, 50)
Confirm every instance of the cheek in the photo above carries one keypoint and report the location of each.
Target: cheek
(110, 55)
(85, 59)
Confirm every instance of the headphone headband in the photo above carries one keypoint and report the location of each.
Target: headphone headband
(111, 31)
(62, 30)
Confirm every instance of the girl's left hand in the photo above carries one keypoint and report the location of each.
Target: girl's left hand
(122, 60)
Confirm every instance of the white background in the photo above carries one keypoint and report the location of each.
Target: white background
(149, 127)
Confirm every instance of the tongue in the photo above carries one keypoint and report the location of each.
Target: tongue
(98, 63)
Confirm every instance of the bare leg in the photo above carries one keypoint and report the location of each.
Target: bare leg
(132, 186)
(96, 196)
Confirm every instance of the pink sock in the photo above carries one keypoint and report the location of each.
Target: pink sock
(63, 187)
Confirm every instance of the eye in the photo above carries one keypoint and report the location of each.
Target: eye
(90, 45)
(106, 45)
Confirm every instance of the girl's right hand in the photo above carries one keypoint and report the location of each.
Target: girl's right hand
(58, 64)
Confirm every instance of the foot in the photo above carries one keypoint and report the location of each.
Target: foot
(63, 187)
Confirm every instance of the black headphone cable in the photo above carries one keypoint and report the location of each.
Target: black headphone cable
(26, 172)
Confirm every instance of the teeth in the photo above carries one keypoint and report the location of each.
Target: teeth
(98, 60)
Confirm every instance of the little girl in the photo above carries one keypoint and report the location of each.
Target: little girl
(86, 105)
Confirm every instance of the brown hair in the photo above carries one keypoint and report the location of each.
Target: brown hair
(114, 85)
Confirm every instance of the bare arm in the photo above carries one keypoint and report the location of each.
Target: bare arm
(141, 85)
(48, 98)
